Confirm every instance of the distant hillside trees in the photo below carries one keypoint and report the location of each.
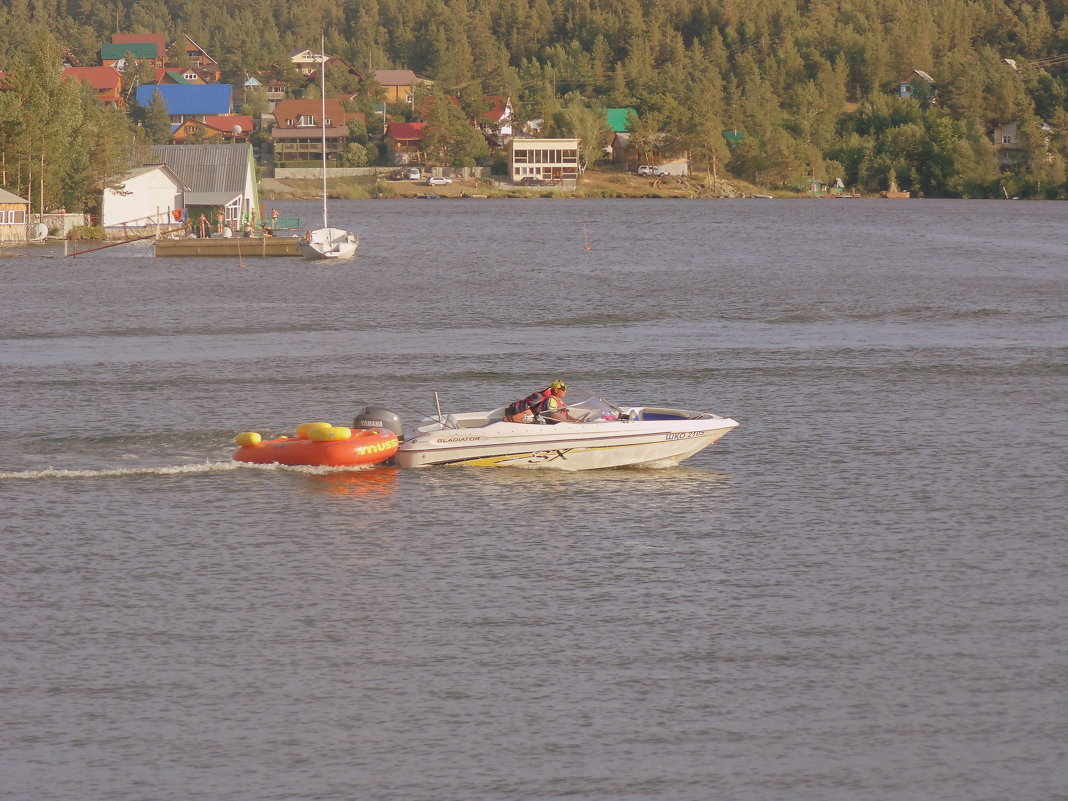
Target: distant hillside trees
(811, 85)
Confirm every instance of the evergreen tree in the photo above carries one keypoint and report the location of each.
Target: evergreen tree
(157, 122)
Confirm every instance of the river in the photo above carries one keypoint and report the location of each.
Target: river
(857, 593)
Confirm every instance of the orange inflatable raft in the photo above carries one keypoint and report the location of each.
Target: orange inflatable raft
(319, 445)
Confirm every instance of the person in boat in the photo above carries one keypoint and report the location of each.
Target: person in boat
(545, 406)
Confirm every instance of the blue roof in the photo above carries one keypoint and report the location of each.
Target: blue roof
(212, 98)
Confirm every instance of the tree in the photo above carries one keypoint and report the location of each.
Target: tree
(590, 126)
(56, 131)
(157, 122)
(450, 138)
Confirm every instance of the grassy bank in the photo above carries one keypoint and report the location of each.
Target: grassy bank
(600, 183)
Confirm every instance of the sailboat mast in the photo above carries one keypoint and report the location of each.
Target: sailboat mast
(322, 116)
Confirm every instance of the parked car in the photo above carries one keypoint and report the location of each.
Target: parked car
(532, 180)
(649, 169)
(438, 180)
(413, 174)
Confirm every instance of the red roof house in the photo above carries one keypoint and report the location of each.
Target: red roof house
(105, 81)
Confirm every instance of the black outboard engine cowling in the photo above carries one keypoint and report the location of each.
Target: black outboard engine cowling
(379, 417)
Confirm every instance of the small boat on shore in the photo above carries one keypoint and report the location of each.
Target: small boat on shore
(894, 193)
(319, 445)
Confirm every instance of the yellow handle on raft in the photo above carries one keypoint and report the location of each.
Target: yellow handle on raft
(330, 434)
(248, 438)
(304, 428)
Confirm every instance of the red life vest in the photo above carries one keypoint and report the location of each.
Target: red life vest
(534, 402)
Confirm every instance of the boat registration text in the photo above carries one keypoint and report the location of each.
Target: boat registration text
(684, 435)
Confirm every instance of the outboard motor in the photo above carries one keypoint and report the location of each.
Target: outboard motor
(379, 417)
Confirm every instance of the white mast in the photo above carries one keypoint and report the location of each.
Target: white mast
(322, 117)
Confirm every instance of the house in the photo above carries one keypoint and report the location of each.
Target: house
(619, 120)
(214, 129)
(543, 159)
(146, 196)
(404, 142)
(143, 38)
(175, 77)
(298, 131)
(221, 179)
(398, 85)
(106, 83)
(273, 81)
(307, 61)
(734, 137)
(496, 122)
(189, 102)
(918, 83)
(114, 54)
(1009, 147)
(198, 65)
(14, 217)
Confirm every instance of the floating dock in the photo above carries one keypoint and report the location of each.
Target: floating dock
(234, 246)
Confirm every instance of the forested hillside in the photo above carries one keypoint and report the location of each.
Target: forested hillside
(812, 85)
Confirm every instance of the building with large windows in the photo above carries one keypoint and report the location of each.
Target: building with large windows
(549, 160)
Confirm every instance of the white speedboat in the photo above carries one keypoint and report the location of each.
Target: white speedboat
(606, 436)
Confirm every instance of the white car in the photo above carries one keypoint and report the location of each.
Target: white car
(648, 169)
(438, 180)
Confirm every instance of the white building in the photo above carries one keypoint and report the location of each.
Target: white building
(147, 195)
(543, 159)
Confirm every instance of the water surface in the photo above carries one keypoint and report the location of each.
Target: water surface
(858, 593)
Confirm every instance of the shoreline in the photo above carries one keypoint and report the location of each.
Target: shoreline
(596, 184)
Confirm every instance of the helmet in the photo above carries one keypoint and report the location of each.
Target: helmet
(557, 384)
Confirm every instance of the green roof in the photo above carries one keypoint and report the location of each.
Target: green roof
(734, 137)
(136, 49)
(617, 118)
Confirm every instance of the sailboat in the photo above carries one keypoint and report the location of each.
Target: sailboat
(327, 242)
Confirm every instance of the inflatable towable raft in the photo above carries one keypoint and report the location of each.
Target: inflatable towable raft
(319, 445)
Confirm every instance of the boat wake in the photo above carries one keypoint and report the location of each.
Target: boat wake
(177, 470)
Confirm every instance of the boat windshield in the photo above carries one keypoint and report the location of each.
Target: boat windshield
(592, 407)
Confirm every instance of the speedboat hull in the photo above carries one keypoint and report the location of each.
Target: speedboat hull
(640, 437)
